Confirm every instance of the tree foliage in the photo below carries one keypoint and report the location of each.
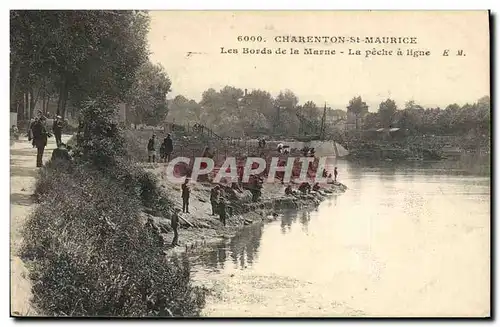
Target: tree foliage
(148, 94)
(453, 120)
(387, 110)
(78, 54)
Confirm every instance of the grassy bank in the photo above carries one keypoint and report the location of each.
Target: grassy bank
(88, 248)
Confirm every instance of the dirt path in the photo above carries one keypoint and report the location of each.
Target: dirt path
(23, 173)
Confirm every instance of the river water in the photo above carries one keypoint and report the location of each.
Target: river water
(410, 240)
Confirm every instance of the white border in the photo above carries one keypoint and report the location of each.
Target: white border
(182, 4)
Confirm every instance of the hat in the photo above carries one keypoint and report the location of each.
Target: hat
(58, 117)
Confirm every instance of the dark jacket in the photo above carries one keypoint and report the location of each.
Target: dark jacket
(174, 222)
(185, 191)
(57, 126)
(39, 134)
(214, 195)
(169, 146)
(151, 144)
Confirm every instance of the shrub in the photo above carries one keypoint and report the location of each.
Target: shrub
(89, 253)
(99, 138)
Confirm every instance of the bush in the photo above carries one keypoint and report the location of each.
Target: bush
(89, 253)
(99, 139)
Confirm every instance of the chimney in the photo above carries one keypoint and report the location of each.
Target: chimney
(245, 92)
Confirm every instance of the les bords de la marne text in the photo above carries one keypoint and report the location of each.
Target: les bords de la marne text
(325, 46)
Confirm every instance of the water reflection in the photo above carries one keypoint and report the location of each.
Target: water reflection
(305, 217)
(396, 223)
(287, 218)
(241, 249)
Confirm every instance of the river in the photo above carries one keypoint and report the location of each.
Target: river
(410, 240)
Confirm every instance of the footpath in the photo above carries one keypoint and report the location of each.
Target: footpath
(23, 174)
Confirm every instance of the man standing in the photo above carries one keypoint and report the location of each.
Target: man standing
(152, 148)
(222, 211)
(57, 129)
(214, 199)
(169, 146)
(185, 196)
(174, 222)
(40, 135)
(335, 173)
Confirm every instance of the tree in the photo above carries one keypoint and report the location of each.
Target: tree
(359, 108)
(371, 120)
(286, 120)
(411, 105)
(386, 111)
(184, 111)
(81, 53)
(148, 94)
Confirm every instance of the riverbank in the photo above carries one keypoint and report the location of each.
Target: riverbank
(418, 148)
(200, 228)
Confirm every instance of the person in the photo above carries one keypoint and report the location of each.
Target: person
(335, 174)
(174, 222)
(169, 146)
(325, 173)
(305, 187)
(40, 136)
(280, 147)
(57, 129)
(263, 142)
(185, 196)
(214, 199)
(222, 211)
(163, 152)
(152, 148)
(316, 187)
(30, 130)
(166, 148)
(288, 190)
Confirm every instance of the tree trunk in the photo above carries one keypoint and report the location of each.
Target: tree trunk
(32, 102)
(46, 108)
(43, 105)
(63, 97)
(25, 106)
(65, 101)
(13, 85)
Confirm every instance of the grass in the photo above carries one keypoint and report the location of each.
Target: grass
(88, 251)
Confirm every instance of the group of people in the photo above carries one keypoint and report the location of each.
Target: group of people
(308, 152)
(198, 128)
(305, 187)
(38, 134)
(166, 148)
(219, 203)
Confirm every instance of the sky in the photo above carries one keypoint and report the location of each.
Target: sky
(431, 81)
